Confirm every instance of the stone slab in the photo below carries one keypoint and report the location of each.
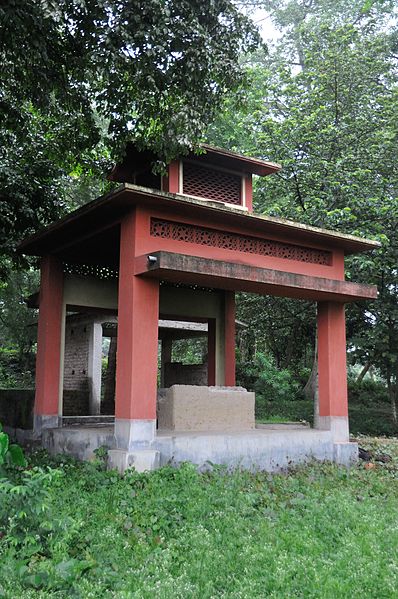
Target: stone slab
(197, 408)
(170, 266)
(269, 450)
(345, 454)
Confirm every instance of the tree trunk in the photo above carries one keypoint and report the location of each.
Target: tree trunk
(364, 370)
(392, 393)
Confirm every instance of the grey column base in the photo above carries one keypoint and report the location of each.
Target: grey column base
(337, 425)
(134, 434)
(142, 460)
(43, 421)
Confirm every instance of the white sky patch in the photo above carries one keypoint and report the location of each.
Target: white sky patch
(263, 20)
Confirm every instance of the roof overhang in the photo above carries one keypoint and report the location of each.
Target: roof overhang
(233, 160)
(182, 268)
(136, 160)
(107, 211)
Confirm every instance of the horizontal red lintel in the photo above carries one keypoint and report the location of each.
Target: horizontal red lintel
(192, 270)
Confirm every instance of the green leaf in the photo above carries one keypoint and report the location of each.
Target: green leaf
(3, 447)
(16, 455)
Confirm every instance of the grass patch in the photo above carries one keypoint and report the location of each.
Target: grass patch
(273, 419)
(319, 531)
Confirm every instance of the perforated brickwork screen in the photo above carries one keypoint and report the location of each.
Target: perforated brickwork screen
(212, 184)
(236, 242)
(90, 270)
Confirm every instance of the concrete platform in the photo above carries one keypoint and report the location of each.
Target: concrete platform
(269, 448)
(79, 441)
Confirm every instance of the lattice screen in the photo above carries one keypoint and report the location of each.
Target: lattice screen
(211, 184)
(234, 241)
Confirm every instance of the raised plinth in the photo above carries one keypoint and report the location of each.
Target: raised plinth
(270, 448)
(196, 408)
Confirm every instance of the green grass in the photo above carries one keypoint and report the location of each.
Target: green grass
(319, 531)
(273, 419)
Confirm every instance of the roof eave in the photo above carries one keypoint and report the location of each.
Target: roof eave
(126, 192)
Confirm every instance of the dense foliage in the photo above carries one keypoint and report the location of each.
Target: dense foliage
(75, 530)
(18, 330)
(79, 77)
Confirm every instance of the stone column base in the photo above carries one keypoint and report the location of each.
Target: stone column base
(337, 425)
(141, 460)
(44, 421)
(135, 433)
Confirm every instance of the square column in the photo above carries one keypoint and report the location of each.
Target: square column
(165, 357)
(136, 360)
(211, 352)
(49, 345)
(332, 370)
(229, 338)
(95, 367)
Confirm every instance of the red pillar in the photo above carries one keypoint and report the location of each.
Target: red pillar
(137, 351)
(248, 192)
(49, 335)
(171, 182)
(332, 369)
(229, 338)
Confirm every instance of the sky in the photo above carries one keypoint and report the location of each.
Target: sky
(263, 20)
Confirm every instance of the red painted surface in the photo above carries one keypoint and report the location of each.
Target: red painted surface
(137, 352)
(332, 366)
(173, 183)
(248, 182)
(49, 337)
(229, 338)
(211, 352)
(150, 244)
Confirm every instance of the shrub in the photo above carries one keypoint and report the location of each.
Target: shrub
(24, 498)
(25, 518)
(367, 392)
(269, 382)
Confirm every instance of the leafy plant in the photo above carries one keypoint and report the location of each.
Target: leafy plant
(269, 382)
(25, 516)
(11, 454)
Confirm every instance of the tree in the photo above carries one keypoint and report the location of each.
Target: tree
(323, 104)
(17, 329)
(75, 73)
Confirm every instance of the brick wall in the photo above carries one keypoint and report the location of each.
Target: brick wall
(76, 385)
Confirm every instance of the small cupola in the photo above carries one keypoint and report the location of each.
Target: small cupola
(216, 175)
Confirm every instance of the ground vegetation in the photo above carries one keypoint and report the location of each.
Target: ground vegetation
(75, 530)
